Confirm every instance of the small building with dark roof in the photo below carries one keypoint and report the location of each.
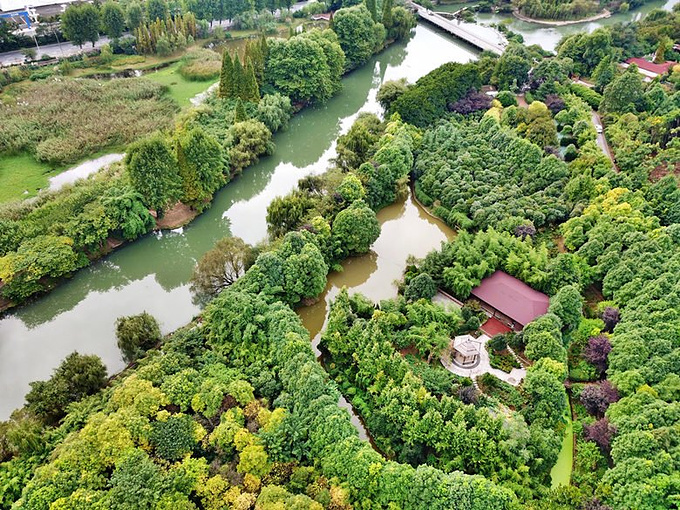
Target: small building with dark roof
(510, 300)
(649, 69)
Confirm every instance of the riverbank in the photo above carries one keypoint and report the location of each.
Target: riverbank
(183, 215)
(152, 273)
(555, 23)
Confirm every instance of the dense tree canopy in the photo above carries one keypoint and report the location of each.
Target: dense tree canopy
(483, 174)
(136, 334)
(427, 100)
(234, 410)
(202, 165)
(307, 68)
(75, 378)
(80, 24)
(356, 228)
(358, 34)
(154, 172)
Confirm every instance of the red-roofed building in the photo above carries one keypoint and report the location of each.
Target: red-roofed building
(510, 300)
(649, 69)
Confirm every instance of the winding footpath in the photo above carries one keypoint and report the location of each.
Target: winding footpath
(555, 23)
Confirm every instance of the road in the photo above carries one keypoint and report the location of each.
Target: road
(66, 49)
(601, 139)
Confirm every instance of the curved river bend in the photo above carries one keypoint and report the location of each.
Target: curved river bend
(548, 37)
(152, 273)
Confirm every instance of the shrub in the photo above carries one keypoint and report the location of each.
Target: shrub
(601, 432)
(200, 65)
(174, 437)
(474, 101)
(420, 287)
(597, 351)
(132, 107)
(78, 376)
(597, 397)
(571, 152)
(124, 45)
(41, 74)
(587, 94)
(163, 46)
(506, 98)
(502, 360)
(106, 54)
(136, 334)
(611, 317)
(498, 342)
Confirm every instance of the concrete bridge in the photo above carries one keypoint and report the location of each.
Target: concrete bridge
(492, 41)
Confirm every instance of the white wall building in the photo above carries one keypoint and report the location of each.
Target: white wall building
(20, 5)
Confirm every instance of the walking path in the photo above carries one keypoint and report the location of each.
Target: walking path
(202, 96)
(602, 140)
(65, 49)
(519, 360)
(484, 366)
(604, 14)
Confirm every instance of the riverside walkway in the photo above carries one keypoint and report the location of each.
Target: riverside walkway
(490, 40)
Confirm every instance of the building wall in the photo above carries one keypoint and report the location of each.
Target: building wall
(16, 5)
(492, 312)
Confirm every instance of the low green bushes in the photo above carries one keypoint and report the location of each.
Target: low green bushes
(587, 94)
(60, 121)
(200, 65)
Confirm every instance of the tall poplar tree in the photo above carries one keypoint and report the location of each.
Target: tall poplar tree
(238, 78)
(387, 20)
(254, 54)
(264, 47)
(251, 91)
(226, 76)
(372, 8)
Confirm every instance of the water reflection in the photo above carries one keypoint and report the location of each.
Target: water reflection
(547, 37)
(83, 170)
(406, 230)
(151, 274)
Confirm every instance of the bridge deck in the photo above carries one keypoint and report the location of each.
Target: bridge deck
(461, 32)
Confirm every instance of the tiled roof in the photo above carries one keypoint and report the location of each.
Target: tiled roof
(512, 297)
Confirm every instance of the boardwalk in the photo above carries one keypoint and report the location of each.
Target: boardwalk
(485, 40)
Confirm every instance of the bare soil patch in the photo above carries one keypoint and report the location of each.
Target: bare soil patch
(177, 216)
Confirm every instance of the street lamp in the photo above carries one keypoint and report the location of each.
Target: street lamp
(57, 37)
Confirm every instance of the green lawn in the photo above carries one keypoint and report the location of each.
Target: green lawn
(181, 90)
(561, 471)
(23, 173)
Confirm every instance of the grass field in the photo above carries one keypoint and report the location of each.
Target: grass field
(561, 471)
(181, 89)
(23, 173)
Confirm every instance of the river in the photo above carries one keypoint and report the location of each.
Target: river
(548, 37)
(152, 273)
